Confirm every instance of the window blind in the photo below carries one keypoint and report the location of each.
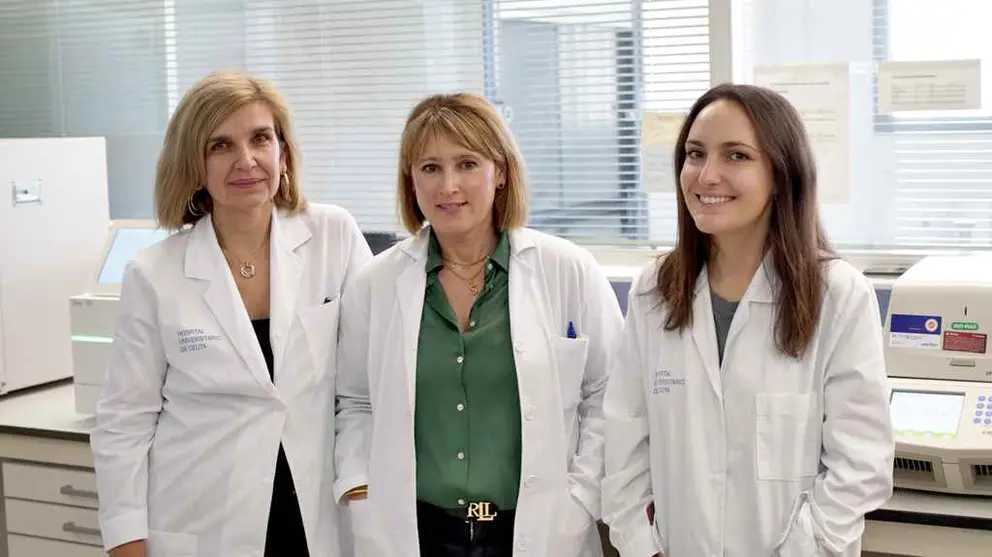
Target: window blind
(942, 159)
(916, 180)
(350, 69)
(575, 80)
(89, 68)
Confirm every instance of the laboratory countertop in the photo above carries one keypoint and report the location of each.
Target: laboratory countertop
(49, 412)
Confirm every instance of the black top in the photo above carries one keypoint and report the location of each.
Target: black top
(285, 535)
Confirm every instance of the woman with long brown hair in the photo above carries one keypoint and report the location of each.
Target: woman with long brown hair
(747, 413)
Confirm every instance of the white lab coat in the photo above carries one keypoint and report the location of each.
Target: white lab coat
(561, 384)
(764, 456)
(189, 423)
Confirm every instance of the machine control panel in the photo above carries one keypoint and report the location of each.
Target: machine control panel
(941, 413)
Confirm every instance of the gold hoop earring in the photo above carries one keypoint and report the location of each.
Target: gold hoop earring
(191, 207)
(500, 186)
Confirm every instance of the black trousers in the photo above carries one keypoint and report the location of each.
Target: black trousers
(442, 534)
(285, 536)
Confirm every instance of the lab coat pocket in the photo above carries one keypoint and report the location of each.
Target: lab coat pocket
(785, 447)
(570, 355)
(573, 534)
(799, 540)
(320, 324)
(170, 544)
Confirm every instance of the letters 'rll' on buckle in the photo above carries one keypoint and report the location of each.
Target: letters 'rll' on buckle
(480, 511)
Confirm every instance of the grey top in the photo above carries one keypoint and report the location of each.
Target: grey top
(723, 314)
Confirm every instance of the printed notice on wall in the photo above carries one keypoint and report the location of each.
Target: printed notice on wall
(822, 95)
(934, 85)
(659, 132)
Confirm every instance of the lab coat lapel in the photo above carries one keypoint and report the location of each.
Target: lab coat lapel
(704, 333)
(525, 314)
(411, 282)
(286, 270)
(760, 290)
(205, 261)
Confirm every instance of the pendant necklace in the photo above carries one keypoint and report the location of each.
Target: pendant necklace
(454, 266)
(469, 281)
(247, 269)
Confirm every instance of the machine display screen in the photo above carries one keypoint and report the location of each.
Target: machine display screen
(127, 243)
(926, 413)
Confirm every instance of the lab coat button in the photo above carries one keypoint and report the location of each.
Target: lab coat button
(461, 455)
(460, 407)
(522, 545)
(529, 413)
(530, 481)
(519, 347)
(460, 359)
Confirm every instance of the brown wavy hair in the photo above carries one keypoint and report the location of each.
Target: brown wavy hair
(795, 239)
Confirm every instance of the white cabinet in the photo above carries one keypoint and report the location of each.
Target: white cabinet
(50, 510)
(54, 218)
(52, 484)
(23, 546)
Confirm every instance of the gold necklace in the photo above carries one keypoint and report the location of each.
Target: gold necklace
(247, 269)
(457, 265)
(469, 281)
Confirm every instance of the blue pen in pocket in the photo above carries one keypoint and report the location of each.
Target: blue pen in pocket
(571, 330)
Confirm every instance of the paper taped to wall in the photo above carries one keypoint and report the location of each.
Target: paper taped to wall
(822, 95)
(659, 132)
(929, 85)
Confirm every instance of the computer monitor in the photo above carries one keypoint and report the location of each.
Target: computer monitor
(125, 240)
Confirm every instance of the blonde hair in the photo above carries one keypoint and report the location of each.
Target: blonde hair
(180, 197)
(474, 123)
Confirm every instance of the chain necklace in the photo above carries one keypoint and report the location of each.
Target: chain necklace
(469, 281)
(247, 269)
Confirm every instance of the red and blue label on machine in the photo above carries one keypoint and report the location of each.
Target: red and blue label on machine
(929, 332)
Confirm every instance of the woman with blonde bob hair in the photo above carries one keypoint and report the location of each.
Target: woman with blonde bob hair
(217, 409)
(472, 361)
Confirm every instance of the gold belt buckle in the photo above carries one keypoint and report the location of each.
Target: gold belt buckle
(480, 511)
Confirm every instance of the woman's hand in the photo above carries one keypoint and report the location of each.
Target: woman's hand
(130, 549)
